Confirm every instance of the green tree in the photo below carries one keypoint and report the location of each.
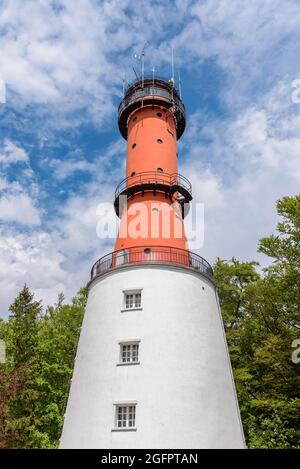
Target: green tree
(58, 338)
(24, 315)
(46, 346)
(275, 307)
(261, 316)
(11, 383)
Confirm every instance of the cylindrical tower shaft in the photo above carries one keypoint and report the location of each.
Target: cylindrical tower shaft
(152, 141)
(152, 118)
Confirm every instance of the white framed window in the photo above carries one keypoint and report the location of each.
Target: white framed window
(132, 299)
(129, 352)
(125, 416)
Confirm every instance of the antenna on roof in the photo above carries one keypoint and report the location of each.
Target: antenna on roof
(124, 80)
(143, 62)
(179, 84)
(153, 70)
(172, 78)
(135, 72)
(141, 57)
(172, 81)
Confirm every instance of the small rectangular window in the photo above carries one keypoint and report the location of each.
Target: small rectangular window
(129, 352)
(125, 416)
(133, 300)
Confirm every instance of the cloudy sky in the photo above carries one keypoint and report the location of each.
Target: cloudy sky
(63, 63)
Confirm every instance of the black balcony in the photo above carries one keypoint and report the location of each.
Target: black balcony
(148, 78)
(151, 91)
(155, 181)
(159, 255)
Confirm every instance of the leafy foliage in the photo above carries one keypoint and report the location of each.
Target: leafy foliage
(262, 318)
(33, 413)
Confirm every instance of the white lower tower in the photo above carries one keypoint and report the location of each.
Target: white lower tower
(180, 392)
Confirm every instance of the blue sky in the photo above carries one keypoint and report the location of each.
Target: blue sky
(60, 151)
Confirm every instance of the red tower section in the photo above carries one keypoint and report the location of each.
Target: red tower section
(152, 118)
(153, 198)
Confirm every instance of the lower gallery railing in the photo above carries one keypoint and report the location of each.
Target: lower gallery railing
(152, 255)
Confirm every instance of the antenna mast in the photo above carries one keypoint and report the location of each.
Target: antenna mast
(173, 65)
(179, 84)
(153, 70)
(172, 80)
(135, 72)
(143, 62)
(123, 86)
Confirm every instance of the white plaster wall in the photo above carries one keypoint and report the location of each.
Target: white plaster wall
(183, 386)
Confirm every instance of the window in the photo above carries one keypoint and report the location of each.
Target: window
(133, 173)
(159, 114)
(125, 416)
(129, 352)
(160, 170)
(134, 145)
(159, 140)
(133, 300)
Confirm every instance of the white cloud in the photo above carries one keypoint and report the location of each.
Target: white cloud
(11, 153)
(3, 183)
(17, 197)
(73, 58)
(56, 261)
(65, 169)
(19, 208)
(249, 163)
(34, 260)
(254, 44)
(58, 57)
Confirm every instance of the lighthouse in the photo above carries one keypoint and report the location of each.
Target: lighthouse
(152, 368)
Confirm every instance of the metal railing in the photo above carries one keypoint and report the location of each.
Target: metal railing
(156, 178)
(149, 78)
(152, 90)
(149, 92)
(152, 255)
